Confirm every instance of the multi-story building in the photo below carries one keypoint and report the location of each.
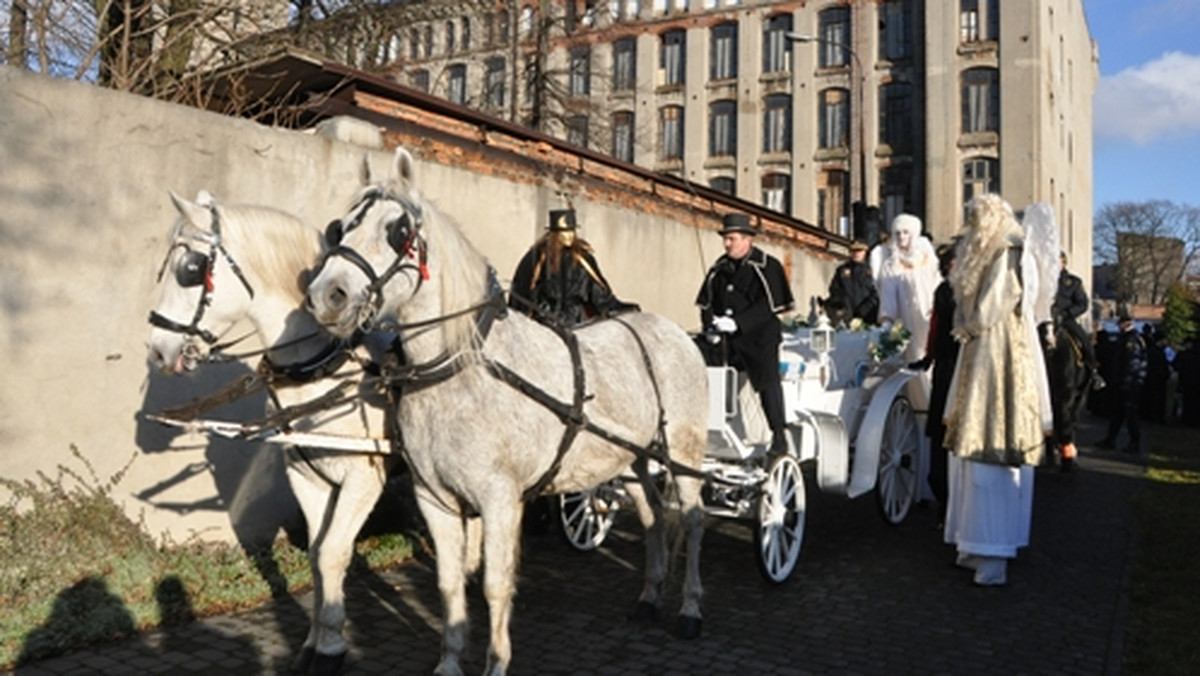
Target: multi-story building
(811, 108)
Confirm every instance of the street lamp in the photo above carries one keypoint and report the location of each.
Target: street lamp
(860, 225)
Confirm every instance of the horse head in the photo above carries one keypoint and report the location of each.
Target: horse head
(222, 264)
(394, 260)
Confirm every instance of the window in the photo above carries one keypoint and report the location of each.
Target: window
(490, 24)
(624, 65)
(724, 52)
(458, 84)
(577, 130)
(979, 20)
(833, 119)
(580, 72)
(896, 188)
(722, 129)
(622, 141)
(466, 33)
(525, 25)
(502, 26)
(450, 37)
(494, 82)
(671, 58)
(777, 124)
(420, 80)
(895, 120)
(670, 133)
(724, 184)
(832, 189)
(777, 49)
(981, 175)
(429, 41)
(626, 10)
(414, 44)
(895, 30)
(980, 100)
(777, 192)
(834, 27)
(531, 78)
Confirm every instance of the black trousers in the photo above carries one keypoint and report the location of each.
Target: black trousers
(1127, 413)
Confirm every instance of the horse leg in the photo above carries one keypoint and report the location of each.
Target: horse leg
(362, 484)
(648, 505)
(692, 507)
(449, 543)
(501, 555)
(315, 497)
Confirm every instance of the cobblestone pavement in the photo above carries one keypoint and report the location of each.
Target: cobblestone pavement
(866, 598)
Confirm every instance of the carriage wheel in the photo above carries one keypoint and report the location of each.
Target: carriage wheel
(780, 530)
(896, 487)
(587, 517)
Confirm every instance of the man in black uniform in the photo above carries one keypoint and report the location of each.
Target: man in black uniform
(853, 287)
(559, 280)
(1069, 302)
(1131, 376)
(739, 300)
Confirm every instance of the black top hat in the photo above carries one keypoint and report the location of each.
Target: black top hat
(1124, 316)
(737, 223)
(562, 220)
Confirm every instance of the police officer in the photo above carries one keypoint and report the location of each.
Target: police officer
(1131, 376)
(739, 300)
(1070, 301)
(853, 287)
(559, 280)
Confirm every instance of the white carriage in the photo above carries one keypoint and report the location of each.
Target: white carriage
(848, 414)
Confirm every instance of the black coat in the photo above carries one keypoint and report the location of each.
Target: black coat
(853, 284)
(577, 291)
(944, 350)
(1070, 300)
(752, 291)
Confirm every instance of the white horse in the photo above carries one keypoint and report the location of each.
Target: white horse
(230, 262)
(493, 402)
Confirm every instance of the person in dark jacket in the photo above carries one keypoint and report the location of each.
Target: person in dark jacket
(558, 280)
(1131, 376)
(739, 301)
(1069, 302)
(941, 351)
(853, 287)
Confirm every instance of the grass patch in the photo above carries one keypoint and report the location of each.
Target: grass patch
(1165, 594)
(77, 570)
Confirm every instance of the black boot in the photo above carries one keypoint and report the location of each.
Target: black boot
(779, 444)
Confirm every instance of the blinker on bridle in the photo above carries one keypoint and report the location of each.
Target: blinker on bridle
(195, 268)
(403, 236)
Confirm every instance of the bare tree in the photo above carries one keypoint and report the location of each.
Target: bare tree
(1151, 244)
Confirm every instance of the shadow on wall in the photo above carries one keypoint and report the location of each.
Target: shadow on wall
(249, 478)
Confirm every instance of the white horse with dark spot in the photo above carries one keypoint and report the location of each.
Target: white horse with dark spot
(226, 263)
(497, 407)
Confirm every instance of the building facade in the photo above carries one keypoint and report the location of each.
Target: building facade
(814, 109)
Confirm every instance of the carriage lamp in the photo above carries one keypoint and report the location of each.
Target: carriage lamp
(821, 337)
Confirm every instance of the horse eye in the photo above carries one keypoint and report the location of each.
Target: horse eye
(333, 232)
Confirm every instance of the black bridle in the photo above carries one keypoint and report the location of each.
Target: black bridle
(404, 236)
(195, 268)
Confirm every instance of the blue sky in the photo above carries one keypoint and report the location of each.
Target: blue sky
(1147, 105)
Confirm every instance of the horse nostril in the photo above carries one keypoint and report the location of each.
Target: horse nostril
(337, 298)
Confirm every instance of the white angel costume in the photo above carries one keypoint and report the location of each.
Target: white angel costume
(906, 274)
(997, 409)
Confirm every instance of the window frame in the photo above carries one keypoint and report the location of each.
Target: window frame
(723, 51)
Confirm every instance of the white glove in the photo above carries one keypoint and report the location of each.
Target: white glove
(724, 324)
(712, 338)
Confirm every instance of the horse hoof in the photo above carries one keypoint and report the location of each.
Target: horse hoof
(304, 660)
(328, 665)
(689, 627)
(643, 611)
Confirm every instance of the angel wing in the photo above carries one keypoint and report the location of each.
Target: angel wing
(1039, 260)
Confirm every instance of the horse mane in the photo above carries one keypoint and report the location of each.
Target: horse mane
(273, 248)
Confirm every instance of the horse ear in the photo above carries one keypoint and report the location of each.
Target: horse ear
(195, 214)
(205, 199)
(403, 166)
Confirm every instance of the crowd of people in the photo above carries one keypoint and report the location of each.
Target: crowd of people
(985, 313)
